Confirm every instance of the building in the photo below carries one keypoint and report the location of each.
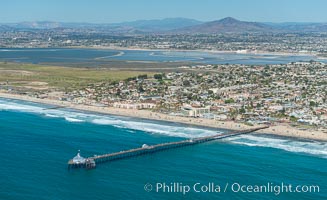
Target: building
(195, 112)
(136, 106)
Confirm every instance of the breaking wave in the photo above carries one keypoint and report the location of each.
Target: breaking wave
(119, 122)
(70, 119)
(131, 125)
(308, 147)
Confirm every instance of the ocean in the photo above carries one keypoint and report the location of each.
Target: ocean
(36, 144)
(95, 57)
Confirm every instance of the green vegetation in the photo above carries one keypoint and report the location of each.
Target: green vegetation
(229, 101)
(293, 119)
(158, 76)
(312, 103)
(61, 77)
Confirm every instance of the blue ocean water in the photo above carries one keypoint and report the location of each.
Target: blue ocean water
(94, 57)
(36, 145)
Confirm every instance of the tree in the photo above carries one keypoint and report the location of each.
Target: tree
(141, 89)
(283, 111)
(229, 100)
(118, 92)
(131, 79)
(186, 83)
(293, 119)
(158, 76)
(142, 76)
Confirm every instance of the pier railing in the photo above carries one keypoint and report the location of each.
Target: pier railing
(91, 162)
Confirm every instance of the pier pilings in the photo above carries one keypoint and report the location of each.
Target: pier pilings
(91, 162)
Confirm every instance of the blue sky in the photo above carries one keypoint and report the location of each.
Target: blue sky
(108, 11)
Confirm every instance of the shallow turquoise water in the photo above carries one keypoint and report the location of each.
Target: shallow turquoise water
(36, 145)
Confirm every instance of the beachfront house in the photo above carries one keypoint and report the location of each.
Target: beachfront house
(190, 111)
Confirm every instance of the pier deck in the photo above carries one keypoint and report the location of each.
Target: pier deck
(91, 162)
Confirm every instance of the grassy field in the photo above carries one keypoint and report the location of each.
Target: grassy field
(33, 76)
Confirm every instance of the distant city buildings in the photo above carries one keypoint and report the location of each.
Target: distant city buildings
(281, 42)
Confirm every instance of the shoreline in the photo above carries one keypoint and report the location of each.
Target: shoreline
(277, 130)
(204, 51)
(185, 50)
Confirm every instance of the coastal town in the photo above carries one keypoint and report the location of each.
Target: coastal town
(241, 93)
(293, 93)
(289, 42)
(163, 100)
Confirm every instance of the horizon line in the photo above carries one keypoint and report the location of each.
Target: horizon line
(159, 19)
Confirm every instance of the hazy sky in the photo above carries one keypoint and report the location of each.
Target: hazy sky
(107, 11)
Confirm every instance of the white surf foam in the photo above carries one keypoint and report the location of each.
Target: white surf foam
(70, 119)
(119, 122)
(4, 105)
(314, 148)
(170, 130)
(51, 115)
(103, 121)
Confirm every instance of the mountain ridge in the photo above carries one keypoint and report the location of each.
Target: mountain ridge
(177, 25)
(227, 24)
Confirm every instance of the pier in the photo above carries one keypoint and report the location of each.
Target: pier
(90, 162)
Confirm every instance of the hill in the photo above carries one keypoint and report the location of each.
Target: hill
(228, 24)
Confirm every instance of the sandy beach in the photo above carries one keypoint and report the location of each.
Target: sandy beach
(280, 129)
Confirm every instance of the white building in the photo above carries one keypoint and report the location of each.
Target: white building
(136, 106)
(195, 112)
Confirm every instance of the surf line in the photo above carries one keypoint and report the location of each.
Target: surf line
(89, 163)
(54, 108)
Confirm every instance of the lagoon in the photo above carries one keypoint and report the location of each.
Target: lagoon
(95, 57)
